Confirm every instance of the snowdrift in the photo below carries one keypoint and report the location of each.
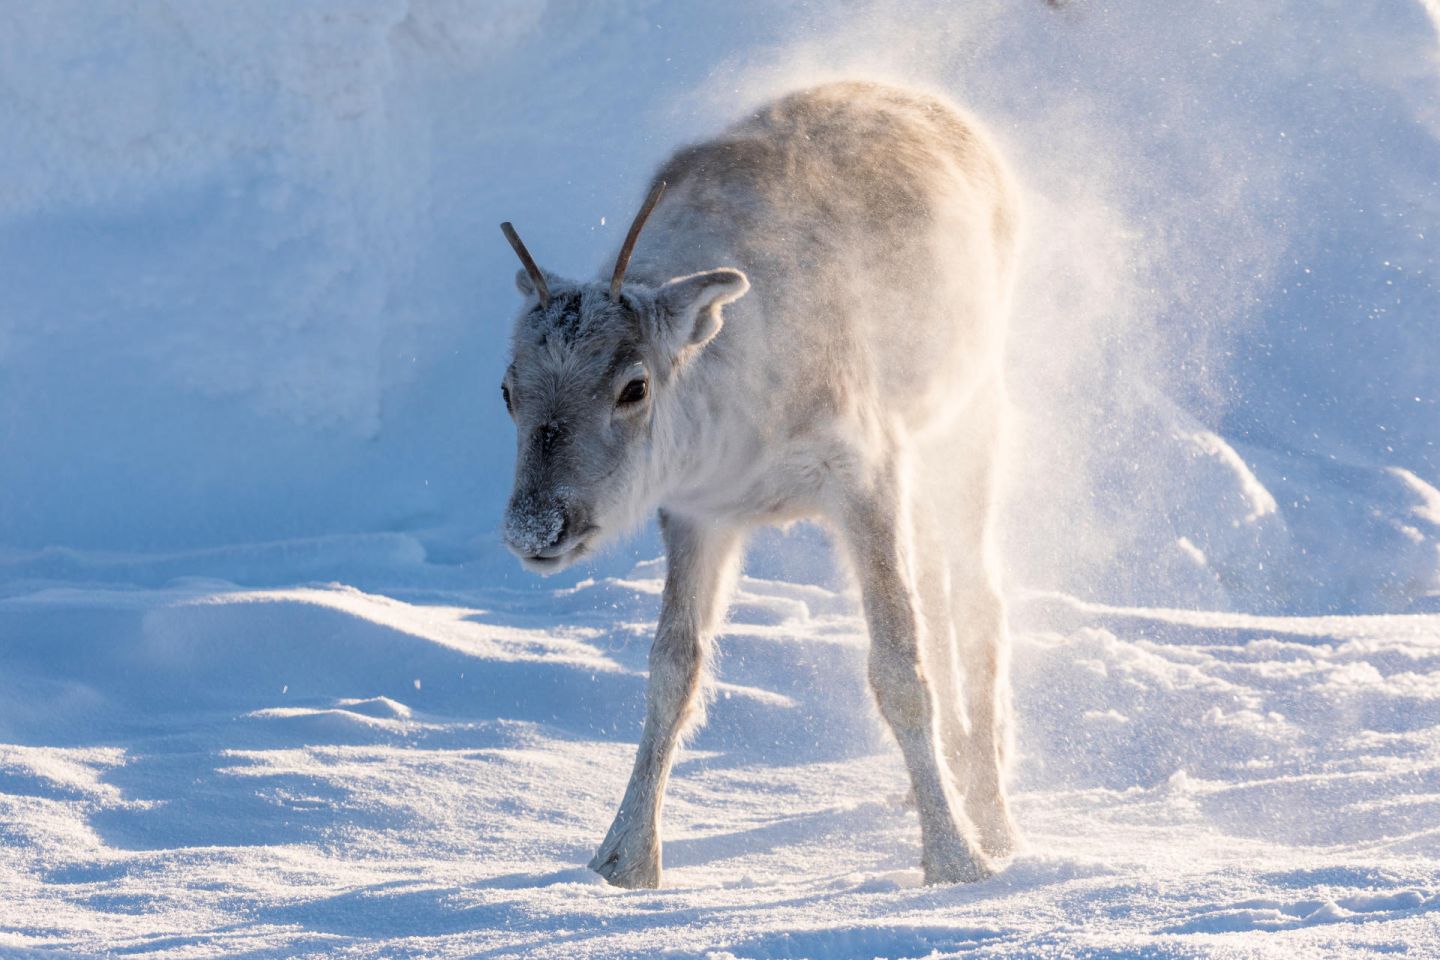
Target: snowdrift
(254, 291)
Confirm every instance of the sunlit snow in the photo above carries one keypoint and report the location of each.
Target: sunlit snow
(270, 686)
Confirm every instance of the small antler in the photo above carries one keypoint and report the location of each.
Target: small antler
(623, 261)
(536, 277)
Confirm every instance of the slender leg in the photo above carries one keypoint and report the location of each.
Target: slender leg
(960, 485)
(983, 649)
(876, 522)
(941, 651)
(703, 561)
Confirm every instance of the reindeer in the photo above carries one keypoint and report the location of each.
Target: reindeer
(858, 383)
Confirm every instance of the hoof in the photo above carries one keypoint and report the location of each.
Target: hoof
(994, 827)
(962, 869)
(954, 860)
(628, 861)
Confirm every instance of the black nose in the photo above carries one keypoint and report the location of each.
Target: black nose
(567, 524)
(538, 526)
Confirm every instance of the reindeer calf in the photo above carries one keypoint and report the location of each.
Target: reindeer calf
(859, 383)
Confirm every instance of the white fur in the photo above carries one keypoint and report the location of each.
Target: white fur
(858, 383)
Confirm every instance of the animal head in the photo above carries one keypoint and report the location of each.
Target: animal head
(591, 366)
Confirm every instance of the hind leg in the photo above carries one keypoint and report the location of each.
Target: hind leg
(979, 758)
(972, 657)
(942, 666)
(874, 516)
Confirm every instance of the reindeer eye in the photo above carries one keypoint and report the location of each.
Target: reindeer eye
(634, 392)
(505, 392)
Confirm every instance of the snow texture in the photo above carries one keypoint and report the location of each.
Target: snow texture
(269, 685)
(322, 771)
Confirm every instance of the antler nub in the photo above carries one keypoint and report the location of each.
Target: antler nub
(536, 277)
(623, 261)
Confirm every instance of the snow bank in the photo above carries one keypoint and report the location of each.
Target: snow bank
(253, 289)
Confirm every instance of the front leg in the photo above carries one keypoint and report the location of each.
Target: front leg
(703, 561)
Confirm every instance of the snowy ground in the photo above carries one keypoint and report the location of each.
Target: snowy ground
(269, 687)
(319, 770)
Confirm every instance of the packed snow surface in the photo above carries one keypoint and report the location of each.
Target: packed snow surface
(270, 688)
(318, 770)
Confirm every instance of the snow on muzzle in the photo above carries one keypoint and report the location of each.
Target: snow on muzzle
(546, 532)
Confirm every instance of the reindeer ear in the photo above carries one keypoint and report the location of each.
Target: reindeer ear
(526, 284)
(690, 306)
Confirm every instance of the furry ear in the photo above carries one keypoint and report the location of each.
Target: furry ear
(689, 307)
(526, 286)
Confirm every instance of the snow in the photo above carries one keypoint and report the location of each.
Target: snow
(269, 685)
(322, 770)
